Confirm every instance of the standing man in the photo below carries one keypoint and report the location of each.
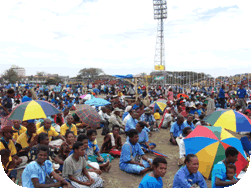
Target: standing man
(242, 95)
(222, 96)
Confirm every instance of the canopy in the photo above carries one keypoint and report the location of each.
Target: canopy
(129, 76)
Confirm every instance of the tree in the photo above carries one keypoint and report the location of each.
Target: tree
(89, 73)
(53, 80)
(41, 74)
(143, 74)
(11, 76)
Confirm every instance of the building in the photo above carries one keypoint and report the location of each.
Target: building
(19, 70)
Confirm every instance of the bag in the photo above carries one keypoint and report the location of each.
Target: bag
(137, 158)
(48, 179)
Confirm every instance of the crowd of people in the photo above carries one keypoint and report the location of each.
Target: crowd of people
(79, 161)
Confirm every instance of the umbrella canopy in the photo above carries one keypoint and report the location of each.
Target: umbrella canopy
(87, 96)
(34, 109)
(160, 106)
(229, 119)
(97, 102)
(209, 144)
(183, 95)
(89, 116)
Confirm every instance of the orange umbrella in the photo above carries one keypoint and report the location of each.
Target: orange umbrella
(183, 95)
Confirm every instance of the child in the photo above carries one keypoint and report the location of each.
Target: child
(157, 117)
(231, 172)
(8, 165)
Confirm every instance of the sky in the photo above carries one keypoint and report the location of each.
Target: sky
(119, 36)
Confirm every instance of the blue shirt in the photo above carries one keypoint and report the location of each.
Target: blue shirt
(129, 150)
(131, 124)
(147, 118)
(241, 93)
(183, 179)
(135, 107)
(33, 170)
(246, 144)
(151, 182)
(176, 129)
(219, 171)
(187, 125)
(26, 98)
(222, 93)
(143, 137)
(94, 146)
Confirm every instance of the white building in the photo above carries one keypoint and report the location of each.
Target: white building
(19, 70)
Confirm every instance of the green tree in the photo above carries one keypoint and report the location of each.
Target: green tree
(11, 76)
(41, 74)
(53, 81)
(89, 73)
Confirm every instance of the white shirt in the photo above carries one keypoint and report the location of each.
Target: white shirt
(182, 151)
(103, 115)
(126, 119)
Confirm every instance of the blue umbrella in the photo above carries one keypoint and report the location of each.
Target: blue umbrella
(97, 102)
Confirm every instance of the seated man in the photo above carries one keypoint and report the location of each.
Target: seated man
(189, 176)
(219, 174)
(27, 140)
(154, 179)
(48, 129)
(112, 142)
(148, 118)
(75, 171)
(68, 126)
(143, 137)
(19, 128)
(132, 158)
(188, 122)
(116, 120)
(177, 129)
(52, 155)
(35, 173)
(7, 143)
(131, 123)
(9, 166)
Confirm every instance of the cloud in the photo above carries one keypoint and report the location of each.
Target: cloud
(119, 36)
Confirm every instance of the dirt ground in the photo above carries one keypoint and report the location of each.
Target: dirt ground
(119, 179)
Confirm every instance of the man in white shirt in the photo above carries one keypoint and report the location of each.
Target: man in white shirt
(104, 117)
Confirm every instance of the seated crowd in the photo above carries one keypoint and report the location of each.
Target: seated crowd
(78, 161)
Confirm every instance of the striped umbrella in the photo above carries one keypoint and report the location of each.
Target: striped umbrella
(229, 119)
(89, 116)
(34, 109)
(209, 144)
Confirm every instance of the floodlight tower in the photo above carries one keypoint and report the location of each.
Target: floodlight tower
(160, 13)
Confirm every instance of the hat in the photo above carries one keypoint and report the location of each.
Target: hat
(192, 106)
(147, 111)
(7, 129)
(118, 110)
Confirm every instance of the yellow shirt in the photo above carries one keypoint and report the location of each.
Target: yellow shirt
(23, 139)
(21, 130)
(38, 125)
(119, 94)
(51, 132)
(11, 147)
(64, 128)
(156, 116)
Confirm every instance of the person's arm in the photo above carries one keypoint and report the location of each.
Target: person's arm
(36, 184)
(62, 138)
(219, 182)
(58, 160)
(72, 178)
(147, 159)
(85, 172)
(60, 179)
(172, 138)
